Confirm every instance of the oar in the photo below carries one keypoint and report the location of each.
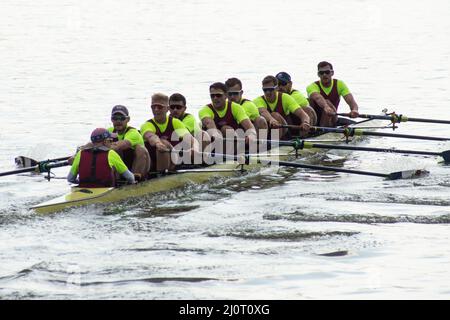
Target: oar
(293, 126)
(396, 118)
(351, 132)
(43, 166)
(25, 162)
(406, 174)
(301, 144)
(298, 144)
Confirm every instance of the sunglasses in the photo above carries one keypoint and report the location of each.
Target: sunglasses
(118, 118)
(324, 72)
(158, 106)
(216, 95)
(233, 93)
(271, 89)
(105, 136)
(176, 107)
(282, 83)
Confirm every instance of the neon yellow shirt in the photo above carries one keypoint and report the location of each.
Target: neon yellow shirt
(191, 124)
(251, 109)
(289, 103)
(342, 88)
(299, 98)
(178, 126)
(114, 161)
(132, 135)
(237, 111)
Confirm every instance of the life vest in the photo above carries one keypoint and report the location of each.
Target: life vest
(333, 97)
(167, 134)
(94, 170)
(227, 120)
(278, 107)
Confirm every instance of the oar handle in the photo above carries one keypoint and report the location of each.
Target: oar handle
(289, 126)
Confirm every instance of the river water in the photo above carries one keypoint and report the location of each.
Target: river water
(64, 65)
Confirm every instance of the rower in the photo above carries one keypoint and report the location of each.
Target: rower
(96, 165)
(162, 133)
(324, 96)
(234, 93)
(285, 85)
(276, 107)
(130, 144)
(177, 109)
(224, 116)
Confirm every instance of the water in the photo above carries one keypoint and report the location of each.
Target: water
(267, 236)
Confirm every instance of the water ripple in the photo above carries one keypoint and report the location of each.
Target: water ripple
(381, 198)
(151, 279)
(357, 218)
(252, 234)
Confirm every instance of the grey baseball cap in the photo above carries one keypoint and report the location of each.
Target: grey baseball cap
(120, 109)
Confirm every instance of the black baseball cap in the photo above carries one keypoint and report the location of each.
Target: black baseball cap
(283, 76)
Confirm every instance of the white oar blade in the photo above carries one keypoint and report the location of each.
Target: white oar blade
(25, 162)
(408, 174)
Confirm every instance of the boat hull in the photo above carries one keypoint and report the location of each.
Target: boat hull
(86, 196)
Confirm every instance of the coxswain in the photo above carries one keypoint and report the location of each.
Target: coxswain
(96, 166)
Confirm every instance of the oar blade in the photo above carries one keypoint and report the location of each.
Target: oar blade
(408, 174)
(25, 162)
(446, 156)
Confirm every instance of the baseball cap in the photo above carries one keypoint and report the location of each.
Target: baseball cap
(100, 134)
(283, 76)
(120, 109)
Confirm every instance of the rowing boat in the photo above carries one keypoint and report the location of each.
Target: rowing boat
(86, 196)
